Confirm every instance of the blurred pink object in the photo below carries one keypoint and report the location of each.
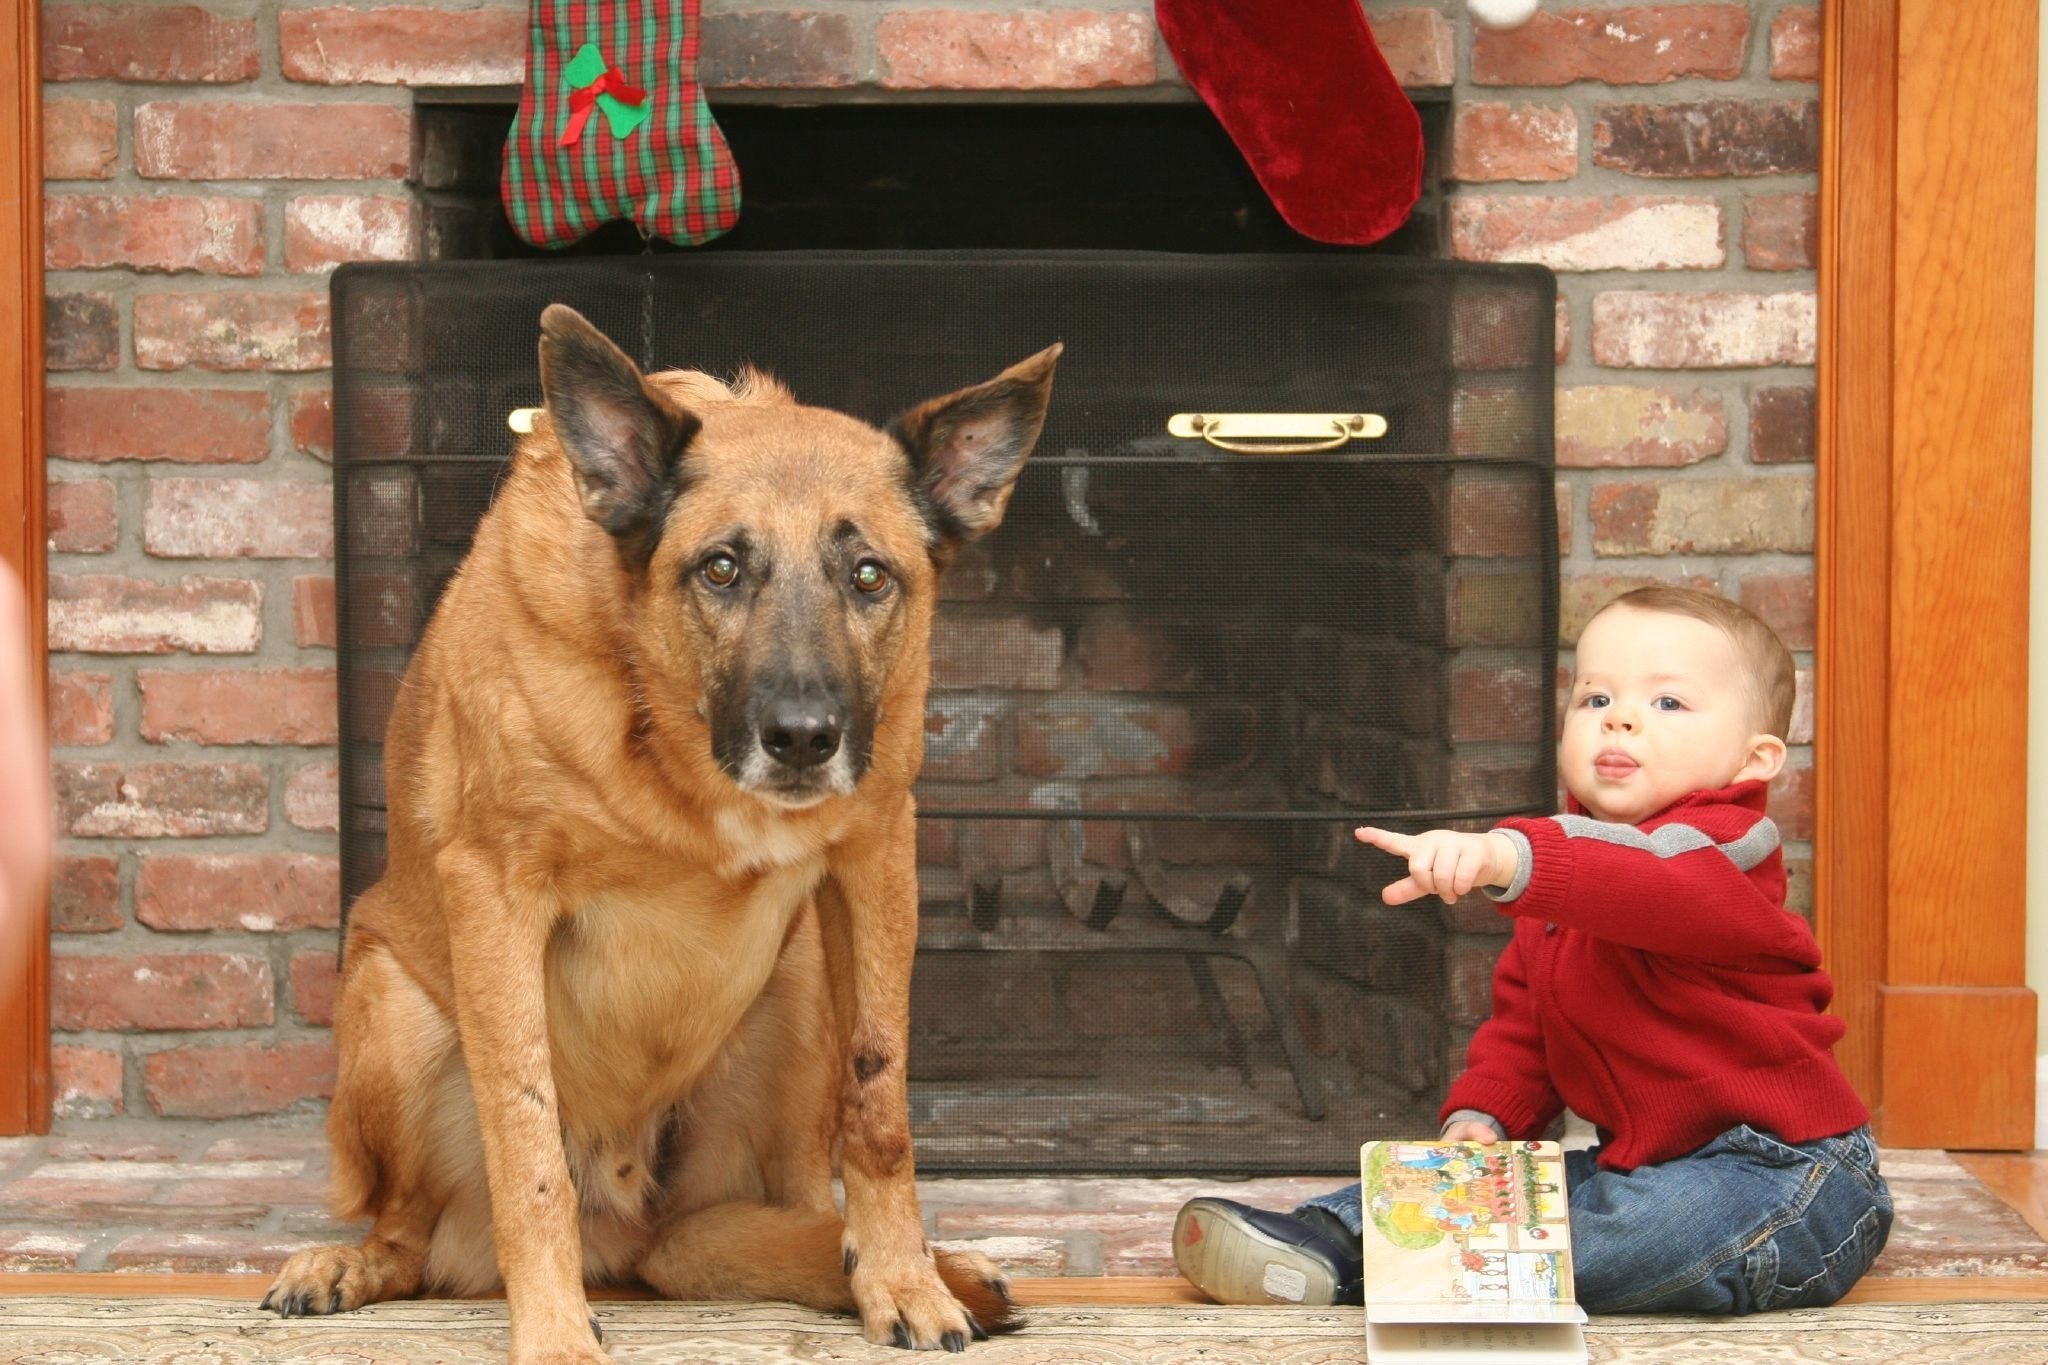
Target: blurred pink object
(26, 834)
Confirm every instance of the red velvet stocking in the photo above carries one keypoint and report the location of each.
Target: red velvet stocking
(1304, 92)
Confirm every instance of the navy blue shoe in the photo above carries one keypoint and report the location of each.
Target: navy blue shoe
(1238, 1254)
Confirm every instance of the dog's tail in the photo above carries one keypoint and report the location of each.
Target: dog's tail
(755, 1251)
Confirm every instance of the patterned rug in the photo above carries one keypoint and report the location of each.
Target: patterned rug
(77, 1330)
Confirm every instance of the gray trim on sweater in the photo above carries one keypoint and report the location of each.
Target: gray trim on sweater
(1757, 843)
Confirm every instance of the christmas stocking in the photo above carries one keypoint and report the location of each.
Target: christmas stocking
(612, 125)
(1304, 92)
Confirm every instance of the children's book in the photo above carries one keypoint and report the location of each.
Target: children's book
(1468, 1255)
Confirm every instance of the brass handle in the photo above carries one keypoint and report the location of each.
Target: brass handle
(1277, 433)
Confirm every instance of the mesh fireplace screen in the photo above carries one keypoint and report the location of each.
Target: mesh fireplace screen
(1164, 690)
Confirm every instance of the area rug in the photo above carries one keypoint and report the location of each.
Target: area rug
(164, 1331)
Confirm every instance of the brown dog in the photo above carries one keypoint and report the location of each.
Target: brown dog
(640, 963)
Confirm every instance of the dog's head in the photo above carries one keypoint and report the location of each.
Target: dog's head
(780, 562)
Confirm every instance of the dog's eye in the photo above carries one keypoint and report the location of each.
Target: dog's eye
(870, 577)
(721, 570)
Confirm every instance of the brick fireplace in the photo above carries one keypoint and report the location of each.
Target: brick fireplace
(207, 166)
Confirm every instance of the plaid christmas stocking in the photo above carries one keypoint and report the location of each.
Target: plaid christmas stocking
(1303, 91)
(612, 125)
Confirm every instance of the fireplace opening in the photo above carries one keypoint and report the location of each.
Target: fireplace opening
(1164, 690)
(932, 177)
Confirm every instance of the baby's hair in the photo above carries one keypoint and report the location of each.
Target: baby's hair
(1773, 682)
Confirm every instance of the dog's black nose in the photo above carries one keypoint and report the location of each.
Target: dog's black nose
(802, 732)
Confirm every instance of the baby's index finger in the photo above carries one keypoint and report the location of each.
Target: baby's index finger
(1398, 844)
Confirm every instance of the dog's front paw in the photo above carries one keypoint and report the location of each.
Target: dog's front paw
(905, 1303)
(320, 1280)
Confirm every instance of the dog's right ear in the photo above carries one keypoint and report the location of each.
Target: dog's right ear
(624, 438)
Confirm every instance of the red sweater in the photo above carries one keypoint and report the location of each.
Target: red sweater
(1657, 985)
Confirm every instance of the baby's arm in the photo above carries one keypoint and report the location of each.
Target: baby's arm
(1445, 863)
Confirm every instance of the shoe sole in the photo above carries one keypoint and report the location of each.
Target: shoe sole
(1233, 1262)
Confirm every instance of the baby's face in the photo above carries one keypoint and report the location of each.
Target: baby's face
(1659, 708)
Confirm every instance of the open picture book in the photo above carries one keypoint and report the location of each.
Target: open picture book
(1468, 1254)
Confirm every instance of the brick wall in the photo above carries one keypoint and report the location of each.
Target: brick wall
(207, 164)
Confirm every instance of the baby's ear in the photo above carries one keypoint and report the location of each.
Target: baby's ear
(1766, 759)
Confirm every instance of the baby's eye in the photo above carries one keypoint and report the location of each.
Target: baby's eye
(1595, 700)
(1668, 704)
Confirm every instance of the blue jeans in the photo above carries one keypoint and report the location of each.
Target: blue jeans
(1744, 1224)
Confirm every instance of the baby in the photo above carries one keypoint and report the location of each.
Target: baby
(1655, 984)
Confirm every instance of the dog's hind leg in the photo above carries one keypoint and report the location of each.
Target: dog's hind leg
(753, 1251)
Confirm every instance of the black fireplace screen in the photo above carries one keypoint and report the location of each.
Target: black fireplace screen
(1163, 691)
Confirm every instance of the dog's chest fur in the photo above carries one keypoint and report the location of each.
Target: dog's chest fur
(647, 981)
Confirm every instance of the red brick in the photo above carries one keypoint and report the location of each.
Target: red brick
(313, 423)
(166, 232)
(81, 708)
(186, 426)
(85, 895)
(241, 1078)
(1513, 142)
(403, 45)
(85, 1082)
(1006, 653)
(1618, 424)
(777, 50)
(316, 976)
(259, 892)
(1468, 968)
(1622, 233)
(161, 800)
(208, 1252)
(1564, 329)
(1419, 46)
(1781, 231)
(1709, 138)
(1792, 801)
(146, 43)
(1781, 426)
(1492, 518)
(160, 991)
(1564, 519)
(81, 331)
(1795, 44)
(1703, 331)
(79, 516)
(1497, 702)
(1647, 45)
(322, 231)
(313, 623)
(1498, 329)
(268, 331)
(239, 518)
(1785, 602)
(80, 140)
(105, 614)
(238, 706)
(963, 738)
(1032, 50)
(312, 798)
(1704, 516)
(273, 141)
(1800, 731)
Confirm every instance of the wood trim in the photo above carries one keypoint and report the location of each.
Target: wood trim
(1924, 414)
(1030, 1291)
(24, 1000)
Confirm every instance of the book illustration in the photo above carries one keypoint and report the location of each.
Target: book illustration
(1466, 1223)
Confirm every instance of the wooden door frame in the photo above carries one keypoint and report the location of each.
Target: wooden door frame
(24, 999)
(1924, 411)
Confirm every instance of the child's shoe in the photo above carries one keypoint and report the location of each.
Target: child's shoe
(1238, 1254)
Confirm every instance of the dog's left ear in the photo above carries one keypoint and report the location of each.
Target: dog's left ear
(967, 448)
(623, 437)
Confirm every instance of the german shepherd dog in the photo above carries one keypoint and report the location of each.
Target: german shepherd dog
(639, 968)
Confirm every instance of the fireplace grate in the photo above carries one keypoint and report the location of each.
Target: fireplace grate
(1163, 691)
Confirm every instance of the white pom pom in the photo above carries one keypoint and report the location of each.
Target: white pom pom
(1502, 13)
